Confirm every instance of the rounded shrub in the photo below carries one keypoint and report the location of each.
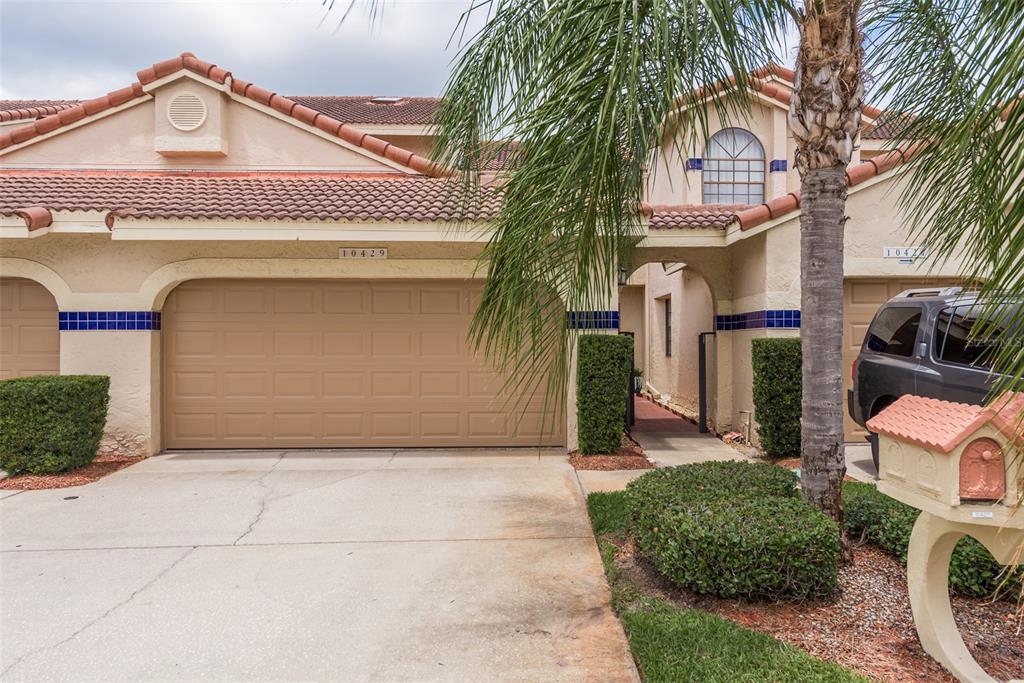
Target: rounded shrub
(734, 529)
(761, 548)
(51, 423)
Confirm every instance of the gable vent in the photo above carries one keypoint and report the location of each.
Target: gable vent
(186, 111)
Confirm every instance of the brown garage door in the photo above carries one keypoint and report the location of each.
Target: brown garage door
(861, 299)
(29, 337)
(254, 364)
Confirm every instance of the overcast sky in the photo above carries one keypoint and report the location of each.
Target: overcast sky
(82, 49)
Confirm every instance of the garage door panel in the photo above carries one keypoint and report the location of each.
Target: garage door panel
(392, 300)
(386, 344)
(29, 335)
(344, 426)
(331, 364)
(440, 383)
(344, 384)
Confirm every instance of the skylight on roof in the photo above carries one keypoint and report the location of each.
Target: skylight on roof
(385, 100)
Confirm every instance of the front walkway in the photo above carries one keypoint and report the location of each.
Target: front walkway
(304, 565)
(668, 440)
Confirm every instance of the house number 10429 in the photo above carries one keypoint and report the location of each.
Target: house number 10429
(374, 252)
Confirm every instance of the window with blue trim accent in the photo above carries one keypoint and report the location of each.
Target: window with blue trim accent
(733, 168)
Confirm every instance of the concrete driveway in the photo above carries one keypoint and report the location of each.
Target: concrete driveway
(306, 565)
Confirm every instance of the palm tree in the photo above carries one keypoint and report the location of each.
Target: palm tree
(587, 87)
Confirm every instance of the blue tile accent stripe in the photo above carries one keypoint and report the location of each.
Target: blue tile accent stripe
(108, 320)
(758, 320)
(592, 320)
(778, 165)
(694, 164)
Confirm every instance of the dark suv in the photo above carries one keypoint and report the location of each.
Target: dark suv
(918, 343)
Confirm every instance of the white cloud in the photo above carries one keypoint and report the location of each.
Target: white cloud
(85, 48)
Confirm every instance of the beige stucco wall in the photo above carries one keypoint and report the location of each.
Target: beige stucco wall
(631, 319)
(676, 377)
(132, 360)
(255, 141)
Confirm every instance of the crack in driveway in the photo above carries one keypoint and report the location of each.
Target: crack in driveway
(134, 594)
(263, 499)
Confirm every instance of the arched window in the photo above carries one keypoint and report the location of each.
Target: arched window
(733, 168)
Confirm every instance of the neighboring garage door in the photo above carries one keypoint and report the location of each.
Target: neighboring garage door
(257, 364)
(861, 299)
(29, 337)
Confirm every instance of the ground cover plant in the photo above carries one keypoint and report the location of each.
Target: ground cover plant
(873, 516)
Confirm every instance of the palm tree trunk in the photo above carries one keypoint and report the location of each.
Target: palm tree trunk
(823, 465)
(825, 119)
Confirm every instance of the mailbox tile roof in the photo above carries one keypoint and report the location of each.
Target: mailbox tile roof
(943, 425)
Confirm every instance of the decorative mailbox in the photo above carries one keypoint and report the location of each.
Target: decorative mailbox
(962, 466)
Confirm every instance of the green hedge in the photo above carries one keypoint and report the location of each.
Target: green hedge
(734, 529)
(51, 423)
(602, 380)
(886, 522)
(777, 395)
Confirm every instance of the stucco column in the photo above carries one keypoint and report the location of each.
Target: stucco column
(131, 358)
(603, 321)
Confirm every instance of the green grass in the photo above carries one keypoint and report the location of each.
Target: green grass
(673, 644)
(608, 513)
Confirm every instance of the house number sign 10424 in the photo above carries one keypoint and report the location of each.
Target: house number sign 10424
(369, 252)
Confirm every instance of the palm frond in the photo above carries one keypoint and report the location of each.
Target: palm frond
(954, 70)
(585, 90)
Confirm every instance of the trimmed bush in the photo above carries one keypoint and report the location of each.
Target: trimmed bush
(886, 522)
(602, 380)
(734, 529)
(51, 423)
(777, 394)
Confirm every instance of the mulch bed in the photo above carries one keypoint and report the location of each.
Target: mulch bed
(97, 469)
(869, 629)
(623, 460)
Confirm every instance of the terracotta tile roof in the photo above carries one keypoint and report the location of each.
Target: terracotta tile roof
(887, 126)
(693, 216)
(943, 425)
(333, 197)
(417, 111)
(16, 110)
(855, 175)
(188, 61)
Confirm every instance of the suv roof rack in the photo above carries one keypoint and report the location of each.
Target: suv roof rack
(922, 292)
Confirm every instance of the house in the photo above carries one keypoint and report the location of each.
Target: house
(254, 270)
(730, 208)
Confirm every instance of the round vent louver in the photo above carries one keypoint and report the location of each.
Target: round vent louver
(186, 111)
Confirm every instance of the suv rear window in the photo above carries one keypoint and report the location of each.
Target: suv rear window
(894, 331)
(952, 338)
